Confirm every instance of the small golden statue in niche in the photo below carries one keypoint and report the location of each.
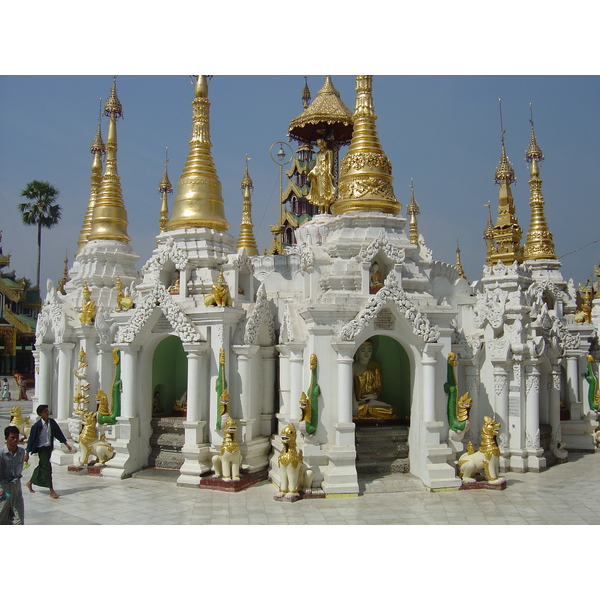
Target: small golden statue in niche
(88, 306)
(220, 294)
(584, 313)
(368, 386)
(322, 189)
(173, 289)
(124, 300)
(375, 278)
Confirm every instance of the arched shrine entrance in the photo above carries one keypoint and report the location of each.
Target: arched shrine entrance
(382, 441)
(169, 404)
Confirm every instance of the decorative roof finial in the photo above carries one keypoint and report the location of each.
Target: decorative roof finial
(506, 237)
(97, 149)
(246, 241)
(538, 241)
(305, 94)
(413, 210)
(461, 271)
(365, 183)
(199, 200)
(109, 219)
(164, 188)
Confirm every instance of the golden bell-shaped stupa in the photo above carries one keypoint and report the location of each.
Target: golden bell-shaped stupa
(365, 183)
(199, 200)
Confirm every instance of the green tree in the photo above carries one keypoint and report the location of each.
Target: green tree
(42, 211)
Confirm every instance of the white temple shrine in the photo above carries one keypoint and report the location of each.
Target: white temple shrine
(357, 318)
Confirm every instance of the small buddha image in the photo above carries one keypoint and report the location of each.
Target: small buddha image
(173, 289)
(368, 386)
(375, 278)
(88, 306)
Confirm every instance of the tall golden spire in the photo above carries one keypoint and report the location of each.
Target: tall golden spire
(164, 188)
(97, 149)
(412, 210)
(109, 217)
(366, 173)
(461, 271)
(507, 232)
(305, 94)
(246, 240)
(199, 201)
(539, 243)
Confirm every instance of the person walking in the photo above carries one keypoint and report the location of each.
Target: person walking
(41, 442)
(5, 390)
(23, 388)
(12, 458)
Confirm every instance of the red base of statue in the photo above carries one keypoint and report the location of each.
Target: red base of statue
(208, 482)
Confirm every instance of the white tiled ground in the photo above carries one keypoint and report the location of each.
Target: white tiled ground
(565, 494)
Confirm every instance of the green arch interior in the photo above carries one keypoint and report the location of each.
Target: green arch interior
(395, 373)
(169, 372)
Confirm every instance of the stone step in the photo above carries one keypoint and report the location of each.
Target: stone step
(165, 459)
(167, 441)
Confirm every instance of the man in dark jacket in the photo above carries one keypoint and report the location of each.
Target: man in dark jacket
(41, 441)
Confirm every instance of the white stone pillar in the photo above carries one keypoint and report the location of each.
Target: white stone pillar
(501, 404)
(555, 412)
(284, 381)
(573, 385)
(428, 366)
(345, 361)
(43, 382)
(129, 377)
(535, 460)
(65, 390)
(193, 383)
(244, 357)
(267, 389)
(296, 364)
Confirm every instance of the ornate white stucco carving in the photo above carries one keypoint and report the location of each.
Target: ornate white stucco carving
(260, 314)
(395, 254)
(307, 259)
(285, 332)
(489, 307)
(390, 292)
(159, 296)
(169, 250)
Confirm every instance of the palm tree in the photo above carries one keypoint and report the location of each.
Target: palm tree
(41, 211)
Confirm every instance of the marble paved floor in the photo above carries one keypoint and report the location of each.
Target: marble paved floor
(565, 494)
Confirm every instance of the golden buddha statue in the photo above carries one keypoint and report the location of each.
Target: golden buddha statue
(322, 188)
(88, 306)
(375, 278)
(368, 386)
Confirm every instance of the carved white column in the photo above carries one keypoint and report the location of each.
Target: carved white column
(555, 411)
(501, 404)
(244, 358)
(428, 365)
(43, 382)
(573, 385)
(129, 376)
(284, 380)
(193, 383)
(296, 363)
(535, 460)
(345, 359)
(267, 390)
(65, 379)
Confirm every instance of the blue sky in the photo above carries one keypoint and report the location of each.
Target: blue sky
(441, 130)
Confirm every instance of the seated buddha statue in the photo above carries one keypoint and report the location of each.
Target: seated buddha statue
(367, 386)
(375, 278)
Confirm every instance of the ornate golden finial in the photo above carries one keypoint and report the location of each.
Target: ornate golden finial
(164, 188)
(60, 286)
(97, 149)
(412, 210)
(199, 201)
(109, 217)
(461, 271)
(538, 242)
(488, 233)
(506, 246)
(305, 94)
(246, 241)
(365, 183)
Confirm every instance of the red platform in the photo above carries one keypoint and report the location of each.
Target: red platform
(246, 480)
